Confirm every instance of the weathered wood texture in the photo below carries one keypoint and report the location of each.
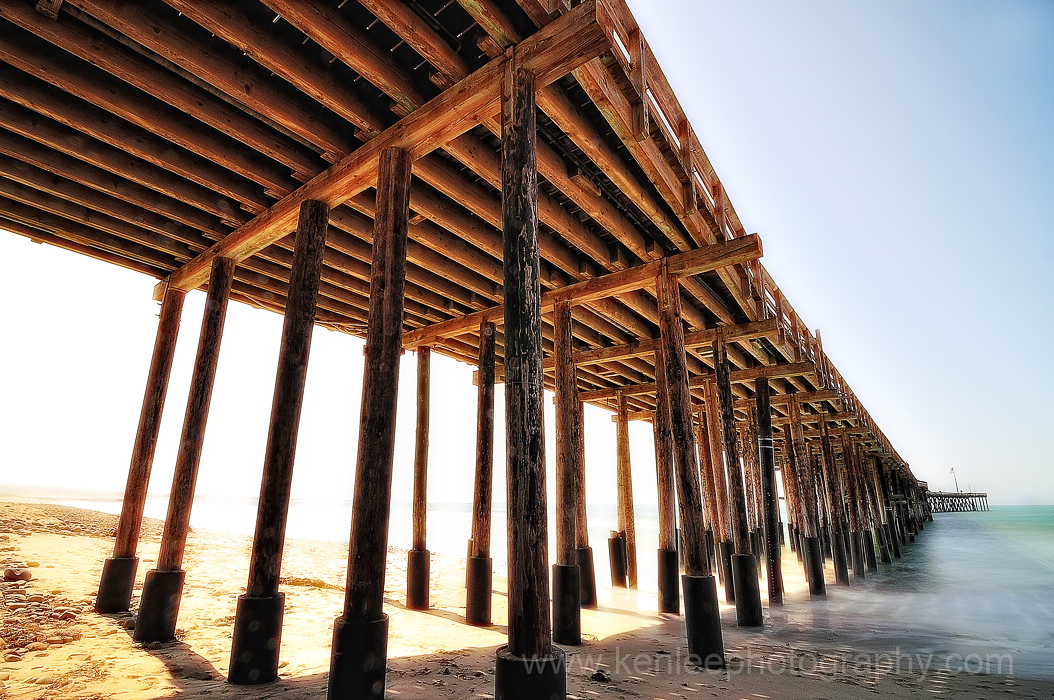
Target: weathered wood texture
(265, 563)
(736, 490)
(380, 388)
(662, 432)
(769, 493)
(706, 474)
(723, 525)
(188, 457)
(686, 464)
(802, 469)
(624, 491)
(131, 520)
(834, 487)
(420, 497)
(581, 521)
(483, 483)
(528, 579)
(568, 466)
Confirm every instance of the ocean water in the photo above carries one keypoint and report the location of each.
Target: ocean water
(972, 585)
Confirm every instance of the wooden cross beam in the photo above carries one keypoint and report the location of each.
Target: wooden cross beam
(746, 331)
(689, 263)
(794, 369)
(562, 46)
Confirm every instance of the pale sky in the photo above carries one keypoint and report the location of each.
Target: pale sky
(897, 159)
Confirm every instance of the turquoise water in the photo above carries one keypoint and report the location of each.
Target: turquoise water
(972, 583)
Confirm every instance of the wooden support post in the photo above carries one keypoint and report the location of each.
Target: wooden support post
(669, 588)
(834, 490)
(479, 567)
(419, 558)
(874, 471)
(360, 635)
(854, 503)
(528, 578)
(118, 572)
(159, 604)
(701, 612)
(624, 495)
(706, 484)
(567, 604)
(258, 620)
(769, 492)
(722, 528)
(744, 565)
(801, 463)
(583, 552)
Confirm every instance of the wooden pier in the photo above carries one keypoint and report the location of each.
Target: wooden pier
(954, 502)
(510, 184)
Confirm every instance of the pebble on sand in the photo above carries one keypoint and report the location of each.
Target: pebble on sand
(17, 574)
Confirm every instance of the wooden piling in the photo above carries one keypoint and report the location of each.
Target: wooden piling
(841, 568)
(736, 490)
(481, 498)
(567, 623)
(743, 564)
(528, 578)
(701, 612)
(118, 577)
(159, 604)
(418, 559)
(420, 495)
(479, 567)
(177, 522)
(584, 553)
(258, 620)
(624, 494)
(360, 635)
(803, 471)
(662, 432)
(769, 492)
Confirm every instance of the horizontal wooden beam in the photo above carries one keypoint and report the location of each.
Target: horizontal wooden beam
(576, 37)
(801, 397)
(692, 262)
(697, 339)
(795, 369)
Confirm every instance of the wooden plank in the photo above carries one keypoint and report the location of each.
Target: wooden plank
(549, 54)
(624, 492)
(223, 67)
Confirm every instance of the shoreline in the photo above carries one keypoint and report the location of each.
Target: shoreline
(805, 650)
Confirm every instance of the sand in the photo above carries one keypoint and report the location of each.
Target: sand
(55, 646)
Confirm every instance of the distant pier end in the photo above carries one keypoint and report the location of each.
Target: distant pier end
(948, 502)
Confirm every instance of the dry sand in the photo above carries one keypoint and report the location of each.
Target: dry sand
(54, 645)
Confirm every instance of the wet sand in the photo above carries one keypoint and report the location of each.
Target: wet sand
(55, 646)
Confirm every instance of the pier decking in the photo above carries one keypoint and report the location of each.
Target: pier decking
(510, 184)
